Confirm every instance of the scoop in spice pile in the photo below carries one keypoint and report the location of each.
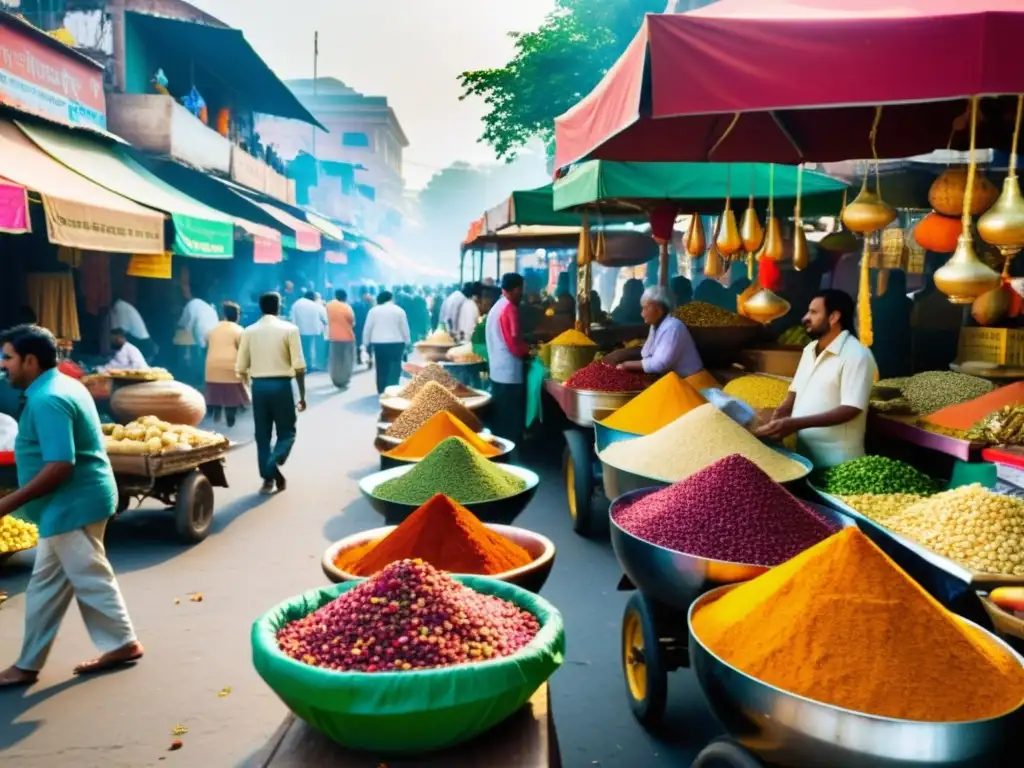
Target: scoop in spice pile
(757, 522)
(572, 338)
(433, 398)
(456, 470)
(601, 377)
(977, 528)
(440, 427)
(408, 617)
(444, 534)
(877, 475)
(663, 402)
(794, 628)
(694, 441)
(436, 373)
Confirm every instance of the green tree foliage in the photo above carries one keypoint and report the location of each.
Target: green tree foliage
(554, 67)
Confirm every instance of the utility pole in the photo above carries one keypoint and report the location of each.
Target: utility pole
(316, 57)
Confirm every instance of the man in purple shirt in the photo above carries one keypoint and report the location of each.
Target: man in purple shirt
(669, 345)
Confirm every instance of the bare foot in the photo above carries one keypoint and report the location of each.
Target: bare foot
(13, 677)
(121, 657)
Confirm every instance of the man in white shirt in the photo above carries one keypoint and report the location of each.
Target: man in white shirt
(469, 314)
(386, 336)
(311, 319)
(198, 319)
(126, 317)
(127, 356)
(828, 399)
(451, 306)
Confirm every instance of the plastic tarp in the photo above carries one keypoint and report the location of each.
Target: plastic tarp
(806, 76)
(79, 213)
(199, 231)
(408, 712)
(698, 187)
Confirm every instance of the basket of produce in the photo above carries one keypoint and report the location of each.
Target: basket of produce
(448, 536)
(431, 400)
(380, 687)
(569, 352)
(687, 445)
(169, 401)
(16, 535)
(495, 493)
(435, 347)
(148, 374)
(676, 543)
(151, 446)
(919, 686)
(718, 334)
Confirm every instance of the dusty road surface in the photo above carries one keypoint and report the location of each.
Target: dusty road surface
(262, 551)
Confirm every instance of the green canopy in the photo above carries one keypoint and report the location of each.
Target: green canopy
(529, 207)
(617, 187)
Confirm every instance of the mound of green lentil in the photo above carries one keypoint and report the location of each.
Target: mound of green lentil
(455, 469)
(933, 390)
(877, 475)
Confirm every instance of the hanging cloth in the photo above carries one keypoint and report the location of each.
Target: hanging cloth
(95, 271)
(52, 297)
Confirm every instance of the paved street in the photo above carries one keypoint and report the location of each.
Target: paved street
(262, 551)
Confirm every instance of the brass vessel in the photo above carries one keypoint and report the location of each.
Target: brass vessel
(1003, 224)
(751, 232)
(868, 212)
(765, 306)
(696, 243)
(714, 264)
(964, 277)
(773, 248)
(729, 240)
(801, 253)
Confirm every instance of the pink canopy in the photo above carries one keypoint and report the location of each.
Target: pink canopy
(806, 74)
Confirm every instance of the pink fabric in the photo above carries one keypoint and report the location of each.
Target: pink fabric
(266, 251)
(662, 220)
(13, 209)
(511, 331)
(772, 59)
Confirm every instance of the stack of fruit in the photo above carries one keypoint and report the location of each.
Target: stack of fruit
(16, 535)
(150, 435)
(796, 336)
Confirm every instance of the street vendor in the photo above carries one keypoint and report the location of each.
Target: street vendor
(127, 356)
(669, 345)
(828, 399)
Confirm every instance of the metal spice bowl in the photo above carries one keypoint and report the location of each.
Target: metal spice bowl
(785, 729)
(530, 577)
(566, 360)
(503, 511)
(389, 462)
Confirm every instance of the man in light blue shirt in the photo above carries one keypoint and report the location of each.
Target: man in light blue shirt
(669, 345)
(66, 488)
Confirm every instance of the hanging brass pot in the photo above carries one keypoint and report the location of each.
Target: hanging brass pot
(1003, 224)
(729, 240)
(696, 243)
(773, 248)
(765, 306)
(868, 212)
(801, 252)
(714, 264)
(964, 277)
(842, 240)
(751, 232)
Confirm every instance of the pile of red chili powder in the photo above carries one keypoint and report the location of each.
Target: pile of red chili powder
(601, 377)
(728, 511)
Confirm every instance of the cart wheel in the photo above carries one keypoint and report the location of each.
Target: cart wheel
(723, 753)
(643, 665)
(578, 470)
(193, 511)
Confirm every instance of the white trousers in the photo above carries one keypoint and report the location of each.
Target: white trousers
(73, 565)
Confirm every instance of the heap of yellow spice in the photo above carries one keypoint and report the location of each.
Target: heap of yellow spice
(572, 338)
(660, 404)
(843, 625)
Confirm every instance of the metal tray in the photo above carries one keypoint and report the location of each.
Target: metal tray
(163, 464)
(982, 581)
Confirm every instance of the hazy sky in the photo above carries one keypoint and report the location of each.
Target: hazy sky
(408, 50)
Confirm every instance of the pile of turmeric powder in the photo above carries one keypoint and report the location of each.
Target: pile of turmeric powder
(843, 625)
(660, 404)
(443, 533)
(438, 428)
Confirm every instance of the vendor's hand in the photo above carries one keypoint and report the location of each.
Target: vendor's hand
(301, 406)
(612, 358)
(776, 429)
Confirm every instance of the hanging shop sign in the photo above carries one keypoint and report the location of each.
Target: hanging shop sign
(38, 78)
(151, 265)
(335, 257)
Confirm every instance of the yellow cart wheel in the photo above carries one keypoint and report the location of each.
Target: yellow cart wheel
(643, 665)
(578, 472)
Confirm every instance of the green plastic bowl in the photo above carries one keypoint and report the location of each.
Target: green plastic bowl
(408, 712)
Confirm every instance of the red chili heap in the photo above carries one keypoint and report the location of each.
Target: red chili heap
(409, 616)
(601, 377)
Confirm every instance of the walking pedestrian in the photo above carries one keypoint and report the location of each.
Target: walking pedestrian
(311, 320)
(225, 392)
(67, 488)
(386, 335)
(198, 319)
(506, 353)
(270, 356)
(341, 336)
(362, 306)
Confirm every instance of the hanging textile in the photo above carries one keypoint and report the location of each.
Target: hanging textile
(52, 297)
(70, 256)
(95, 271)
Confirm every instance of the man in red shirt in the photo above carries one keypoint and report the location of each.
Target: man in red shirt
(506, 353)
